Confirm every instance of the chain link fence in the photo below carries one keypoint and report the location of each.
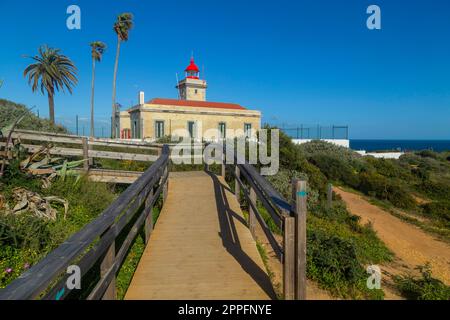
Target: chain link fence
(317, 132)
(81, 125)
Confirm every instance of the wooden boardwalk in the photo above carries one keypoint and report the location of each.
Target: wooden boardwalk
(201, 247)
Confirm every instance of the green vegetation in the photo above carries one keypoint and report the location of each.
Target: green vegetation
(424, 287)
(418, 183)
(97, 50)
(11, 111)
(26, 239)
(122, 27)
(339, 247)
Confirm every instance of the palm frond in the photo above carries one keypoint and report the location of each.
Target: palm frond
(51, 71)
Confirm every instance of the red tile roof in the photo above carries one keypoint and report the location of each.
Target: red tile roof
(201, 104)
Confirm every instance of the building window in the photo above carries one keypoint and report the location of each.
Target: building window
(223, 130)
(192, 129)
(135, 130)
(248, 130)
(159, 129)
(196, 91)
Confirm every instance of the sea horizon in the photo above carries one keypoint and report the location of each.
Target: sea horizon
(437, 145)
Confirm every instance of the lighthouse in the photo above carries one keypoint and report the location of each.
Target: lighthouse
(192, 87)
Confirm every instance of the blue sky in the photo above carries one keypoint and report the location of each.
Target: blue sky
(297, 61)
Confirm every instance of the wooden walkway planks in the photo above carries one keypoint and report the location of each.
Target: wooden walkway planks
(201, 247)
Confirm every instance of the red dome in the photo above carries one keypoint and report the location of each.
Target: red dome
(192, 67)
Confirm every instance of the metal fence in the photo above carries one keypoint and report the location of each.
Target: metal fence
(317, 132)
(81, 125)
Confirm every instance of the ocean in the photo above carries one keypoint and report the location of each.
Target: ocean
(400, 145)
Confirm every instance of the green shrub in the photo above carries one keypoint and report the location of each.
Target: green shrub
(333, 257)
(282, 182)
(427, 154)
(438, 210)
(10, 112)
(374, 184)
(335, 168)
(424, 287)
(436, 189)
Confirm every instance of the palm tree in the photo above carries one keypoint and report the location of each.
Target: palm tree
(98, 48)
(122, 27)
(51, 72)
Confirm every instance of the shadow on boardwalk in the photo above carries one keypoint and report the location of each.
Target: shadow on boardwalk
(230, 238)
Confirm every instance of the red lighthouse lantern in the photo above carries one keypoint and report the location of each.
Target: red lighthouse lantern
(192, 71)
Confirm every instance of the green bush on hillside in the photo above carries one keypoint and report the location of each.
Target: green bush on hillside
(335, 168)
(11, 111)
(25, 239)
(374, 184)
(438, 210)
(424, 287)
(282, 182)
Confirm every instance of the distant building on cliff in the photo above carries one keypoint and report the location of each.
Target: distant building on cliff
(200, 119)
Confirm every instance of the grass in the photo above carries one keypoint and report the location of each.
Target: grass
(339, 248)
(25, 239)
(133, 257)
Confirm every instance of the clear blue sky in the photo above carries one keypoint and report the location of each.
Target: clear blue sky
(297, 61)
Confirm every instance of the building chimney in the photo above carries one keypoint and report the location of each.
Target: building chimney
(141, 98)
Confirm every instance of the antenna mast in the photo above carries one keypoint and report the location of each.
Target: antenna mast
(178, 86)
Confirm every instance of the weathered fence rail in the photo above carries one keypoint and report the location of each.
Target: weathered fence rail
(87, 145)
(97, 244)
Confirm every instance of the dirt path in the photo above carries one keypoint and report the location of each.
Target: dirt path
(411, 245)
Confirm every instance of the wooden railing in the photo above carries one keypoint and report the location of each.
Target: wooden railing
(289, 218)
(98, 249)
(86, 146)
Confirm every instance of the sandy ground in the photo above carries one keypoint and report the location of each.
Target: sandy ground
(411, 245)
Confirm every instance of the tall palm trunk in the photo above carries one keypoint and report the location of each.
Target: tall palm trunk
(116, 65)
(51, 105)
(92, 97)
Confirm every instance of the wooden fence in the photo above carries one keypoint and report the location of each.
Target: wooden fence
(94, 247)
(86, 146)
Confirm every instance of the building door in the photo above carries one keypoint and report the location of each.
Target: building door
(222, 130)
(192, 129)
(248, 130)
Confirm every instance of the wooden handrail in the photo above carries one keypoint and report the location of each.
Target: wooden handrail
(289, 218)
(96, 241)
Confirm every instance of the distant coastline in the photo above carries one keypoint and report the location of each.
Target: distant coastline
(399, 145)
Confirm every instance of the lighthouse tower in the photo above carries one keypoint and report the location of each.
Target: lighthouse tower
(192, 87)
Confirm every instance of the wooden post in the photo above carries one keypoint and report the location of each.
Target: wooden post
(108, 261)
(223, 166)
(148, 225)
(237, 186)
(86, 154)
(166, 184)
(299, 188)
(329, 195)
(252, 214)
(289, 257)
